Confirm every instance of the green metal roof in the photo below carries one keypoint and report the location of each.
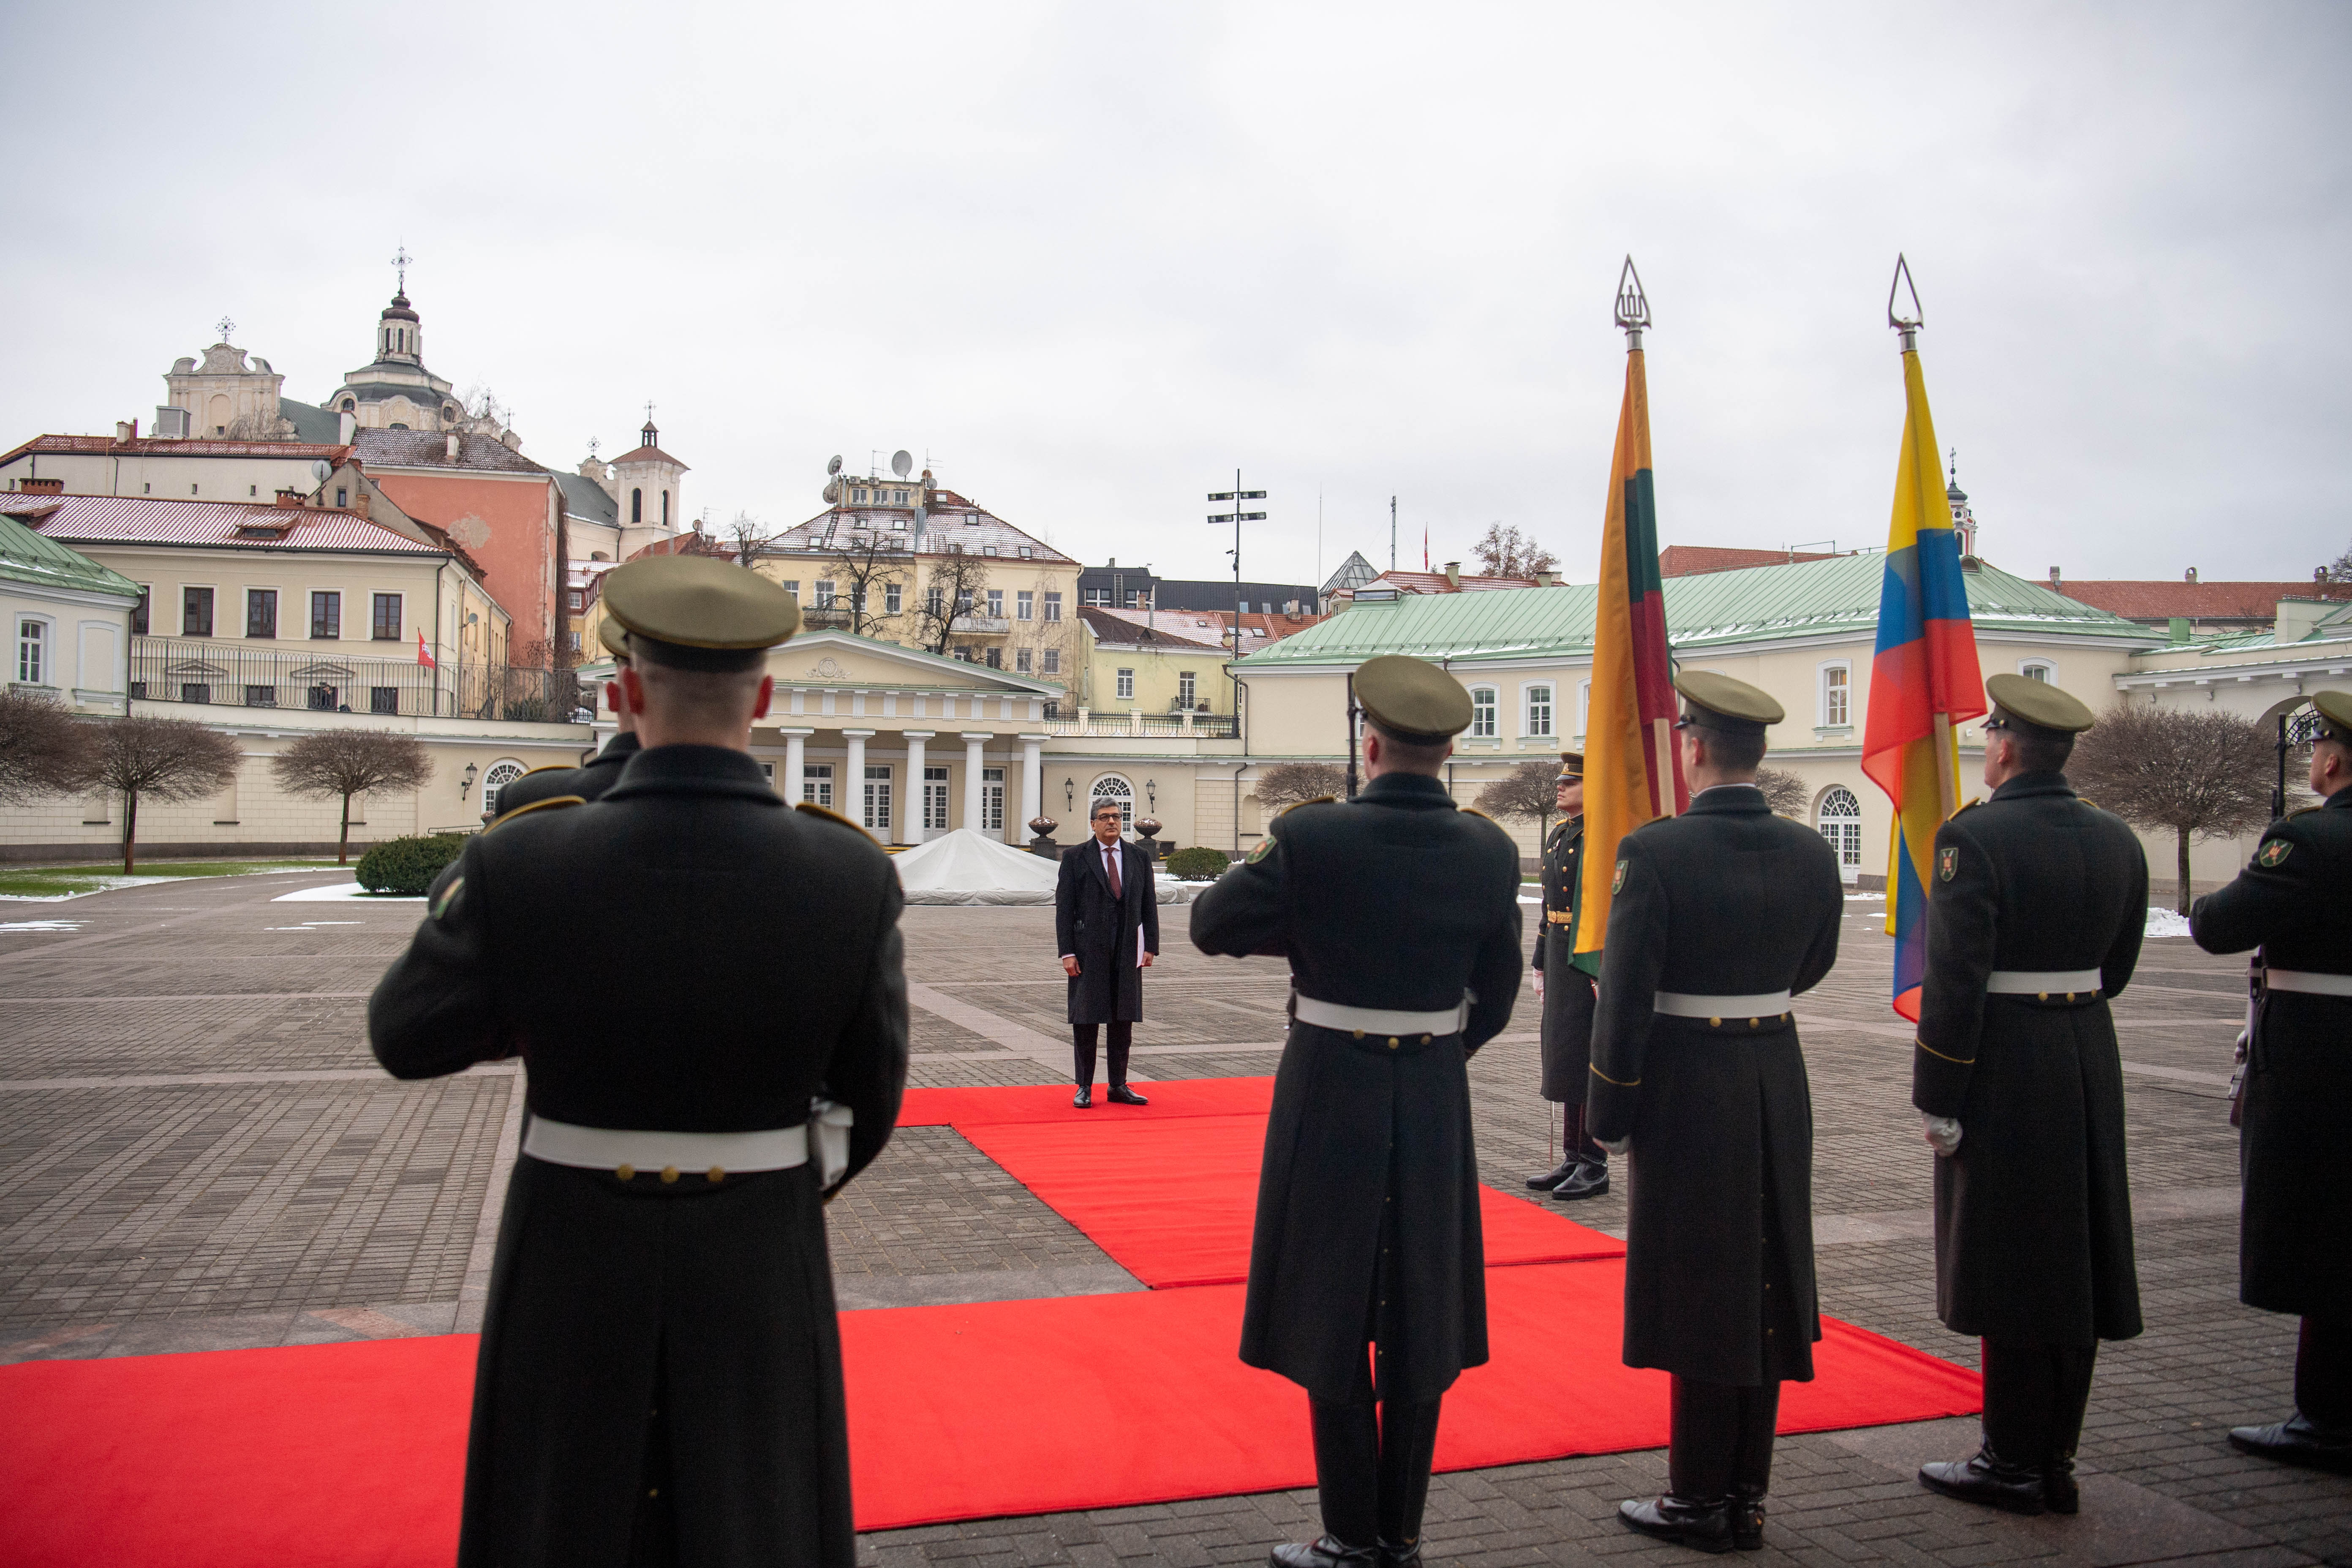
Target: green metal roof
(1715, 610)
(31, 558)
(2336, 626)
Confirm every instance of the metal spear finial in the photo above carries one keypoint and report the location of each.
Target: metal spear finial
(1633, 305)
(1907, 326)
(227, 327)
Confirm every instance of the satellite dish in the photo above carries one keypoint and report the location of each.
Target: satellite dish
(902, 463)
(832, 492)
(321, 470)
(834, 467)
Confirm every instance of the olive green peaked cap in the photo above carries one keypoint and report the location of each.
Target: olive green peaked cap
(1572, 767)
(695, 612)
(1412, 700)
(2335, 709)
(2039, 704)
(614, 637)
(1719, 703)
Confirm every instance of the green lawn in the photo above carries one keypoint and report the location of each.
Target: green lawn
(68, 882)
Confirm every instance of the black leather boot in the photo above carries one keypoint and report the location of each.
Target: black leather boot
(1748, 1520)
(1323, 1552)
(1989, 1479)
(1704, 1523)
(1395, 1556)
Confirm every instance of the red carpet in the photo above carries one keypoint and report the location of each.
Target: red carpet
(354, 1454)
(1051, 1102)
(1172, 1200)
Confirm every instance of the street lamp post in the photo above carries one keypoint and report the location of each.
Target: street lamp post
(1237, 517)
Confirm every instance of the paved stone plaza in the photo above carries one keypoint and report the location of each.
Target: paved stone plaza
(201, 1154)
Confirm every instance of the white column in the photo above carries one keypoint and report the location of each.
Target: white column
(972, 766)
(790, 786)
(851, 801)
(1033, 780)
(914, 814)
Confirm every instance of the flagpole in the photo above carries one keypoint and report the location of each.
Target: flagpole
(1632, 316)
(1907, 333)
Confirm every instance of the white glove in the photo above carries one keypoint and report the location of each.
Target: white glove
(1538, 985)
(1617, 1146)
(1943, 1133)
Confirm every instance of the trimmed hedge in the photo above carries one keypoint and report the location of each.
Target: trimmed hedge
(1198, 864)
(406, 867)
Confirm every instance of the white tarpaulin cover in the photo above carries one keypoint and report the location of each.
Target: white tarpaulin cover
(967, 867)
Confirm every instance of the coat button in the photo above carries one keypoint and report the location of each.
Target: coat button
(716, 1173)
(626, 1173)
(1753, 1022)
(669, 1173)
(1360, 1034)
(2070, 995)
(1392, 1042)
(1714, 1023)
(2042, 995)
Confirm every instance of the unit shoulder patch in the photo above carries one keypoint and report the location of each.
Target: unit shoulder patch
(550, 804)
(1617, 883)
(829, 815)
(1947, 862)
(1260, 850)
(2273, 852)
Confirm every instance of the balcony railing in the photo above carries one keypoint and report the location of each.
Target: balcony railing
(1201, 726)
(229, 675)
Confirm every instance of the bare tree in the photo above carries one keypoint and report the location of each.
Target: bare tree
(864, 562)
(44, 751)
(1784, 792)
(160, 759)
(1528, 793)
(2337, 571)
(1288, 784)
(955, 584)
(1504, 551)
(748, 537)
(351, 762)
(2202, 774)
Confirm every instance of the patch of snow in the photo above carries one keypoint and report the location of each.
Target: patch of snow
(2165, 922)
(335, 892)
(42, 925)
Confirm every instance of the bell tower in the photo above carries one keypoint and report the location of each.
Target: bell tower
(1963, 521)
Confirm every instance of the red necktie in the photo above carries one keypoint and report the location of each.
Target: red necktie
(1110, 864)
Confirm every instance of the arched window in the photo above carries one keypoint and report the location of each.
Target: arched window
(2037, 669)
(351, 404)
(1839, 816)
(1110, 786)
(502, 773)
(1482, 712)
(637, 506)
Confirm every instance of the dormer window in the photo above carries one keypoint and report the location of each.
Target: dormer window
(988, 550)
(1025, 553)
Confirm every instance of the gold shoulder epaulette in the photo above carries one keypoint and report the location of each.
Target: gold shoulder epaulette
(1474, 811)
(2307, 810)
(1971, 803)
(554, 800)
(813, 809)
(549, 768)
(1318, 800)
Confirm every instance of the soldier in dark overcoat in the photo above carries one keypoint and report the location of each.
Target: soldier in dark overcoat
(591, 778)
(1106, 923)
(1399, 916)
(1566, 994)
(659, 1376)
(2295, 1247)
(2035, 910)
(1717, 918)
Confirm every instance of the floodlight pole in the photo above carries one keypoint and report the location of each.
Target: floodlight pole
(1237, 517)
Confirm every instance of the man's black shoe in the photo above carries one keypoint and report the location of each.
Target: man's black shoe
(1588, 1181)
(2059, 1488)
(1084, 1099)
(1704, 1525)
(1323, 1552)
(1987, 1479)
(2298, 1441)
(1121, 1095)
(1747, 1522)
(1395, 1556)
(1554, 1178)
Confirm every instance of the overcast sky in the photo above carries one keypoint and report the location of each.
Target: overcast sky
(1089, 258)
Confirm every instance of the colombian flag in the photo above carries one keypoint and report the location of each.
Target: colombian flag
(1632, 770)
(1924, 681)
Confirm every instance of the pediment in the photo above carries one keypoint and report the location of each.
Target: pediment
(835, 658)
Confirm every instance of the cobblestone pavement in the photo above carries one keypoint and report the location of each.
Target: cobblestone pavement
(200, 1154)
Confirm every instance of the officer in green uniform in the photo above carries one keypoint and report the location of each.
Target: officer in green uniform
(600, 772)
(1717, 917)
(660, 1378)
(1399, 916)
(2035, 916)
(1565, 992)
(2294, 1244)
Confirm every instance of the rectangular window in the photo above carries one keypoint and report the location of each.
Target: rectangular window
(935, 799)
(1539, 711)
(992, 800)
(1836, 696)
(326, 614)
(195, 612)
(571, 601)
(261, 612)
(192, 691)
(1021, 661)
(792, 586)
(342, 496)
(1053, 606)
(1052, 661)
(1127, 686)
(997, 658)
(387, 617)
(878, 798)
(1024, 606)
(1187, 686)
(1482, 712)
(32, 648)
(260, 696)
(139, 612)
(383, 699)
(816, 784)
(934, 600)
(894, 598)
(825, 593)
(996, 604)
(322, 699)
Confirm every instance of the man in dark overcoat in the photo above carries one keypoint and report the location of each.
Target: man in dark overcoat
(1567, 997)
(1716, 919)
(1107, 923)
(2035, 910)
(2295, 1242)
(1399, 916)
(660, 1369)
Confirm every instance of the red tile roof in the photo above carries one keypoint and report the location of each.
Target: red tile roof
(1697, 560)
(1215, 627)
(151, 446)
(2160, 599)
(1131, 630)
(142, 520)
(646, 454)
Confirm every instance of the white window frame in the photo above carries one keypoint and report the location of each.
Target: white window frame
(495, 778)
(1583, 709)
(1053, 662)
(996, 604)
(992, 800)
(1053, 606)
(816, 784)
(1025, 606)
(894, 598)
(1833, 694)
(1112, 786)
(1021, 661)
(826, 593)
(1188, 688)
(1548, 704)
(36, 650)
(2026, 667)
(875, 799)
(1485, 709)
(1843, 830)
(935, 798)
(1126, 685)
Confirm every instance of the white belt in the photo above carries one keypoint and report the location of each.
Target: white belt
(2311, 982)
(1379, 1020)
(2040, 982)
(1685, 1005)
(625, 1151)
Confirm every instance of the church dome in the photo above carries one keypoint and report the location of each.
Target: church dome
(399, 310)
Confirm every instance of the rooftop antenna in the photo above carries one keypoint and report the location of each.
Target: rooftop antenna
(1905, 327)
(227, 327)
(400, 259)
(1632, 306)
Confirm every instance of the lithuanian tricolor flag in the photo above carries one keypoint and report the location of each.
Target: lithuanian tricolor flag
(1632, 770)
(1924, 683)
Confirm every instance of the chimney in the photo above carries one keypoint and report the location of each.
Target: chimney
(2191, 577)
(2177, 630)
(1547, 579)
(346, 424)
(452, 446)
(2297, 617)
(1454, 575)
(42, 487)
(2055, 580)
(125, 432)
(289, 497)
